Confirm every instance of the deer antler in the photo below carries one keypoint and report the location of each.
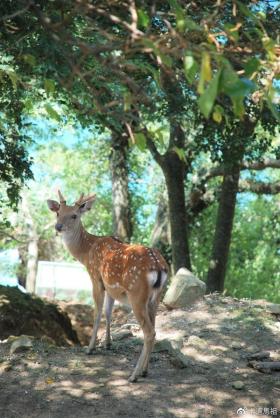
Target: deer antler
(62, 199)
(82, 199)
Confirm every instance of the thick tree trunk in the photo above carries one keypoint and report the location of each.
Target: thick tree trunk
(174, 172)
(122, 222)
(222, 238)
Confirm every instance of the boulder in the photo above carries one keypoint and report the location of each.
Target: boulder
(184, 290)
(20, 344)
(273, 308)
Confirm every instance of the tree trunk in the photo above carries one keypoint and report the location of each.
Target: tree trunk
(160, 237)
(122, 223)
(174, 172)
(222, 238)
(32, 248)
(32, 264)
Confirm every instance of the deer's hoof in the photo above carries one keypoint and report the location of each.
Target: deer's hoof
(89, 351)
(132, 379)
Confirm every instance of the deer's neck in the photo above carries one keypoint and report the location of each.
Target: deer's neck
(78, 242)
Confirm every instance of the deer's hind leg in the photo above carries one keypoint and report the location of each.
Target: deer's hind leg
(152, 311)
(142, 315)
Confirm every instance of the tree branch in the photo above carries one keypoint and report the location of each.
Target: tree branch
(206, 175)
(259, 187)
(153, 149)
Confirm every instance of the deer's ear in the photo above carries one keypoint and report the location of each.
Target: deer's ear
(87, 205)
(53, 205)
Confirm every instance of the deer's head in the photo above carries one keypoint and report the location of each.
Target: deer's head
(68, 217)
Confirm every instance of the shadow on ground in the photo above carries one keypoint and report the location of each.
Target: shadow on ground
(56, 382)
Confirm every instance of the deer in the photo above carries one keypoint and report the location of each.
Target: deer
(129, 273)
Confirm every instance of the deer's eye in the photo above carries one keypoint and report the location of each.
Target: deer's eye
(74, 216)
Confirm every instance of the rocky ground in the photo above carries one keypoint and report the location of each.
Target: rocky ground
(203, 365)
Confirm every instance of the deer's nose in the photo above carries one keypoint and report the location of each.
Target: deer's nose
(58, 227)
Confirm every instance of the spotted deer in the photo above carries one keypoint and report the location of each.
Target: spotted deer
(125, 272)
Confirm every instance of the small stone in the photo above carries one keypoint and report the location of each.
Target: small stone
(6, 366)
(238, 385)
(236, 345)
(163, 345)
(253, 349)
(122, 334)
(179, 360)
(177, 343)
(22, 343)
(196, 341)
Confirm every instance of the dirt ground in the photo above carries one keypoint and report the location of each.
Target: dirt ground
(216, 335)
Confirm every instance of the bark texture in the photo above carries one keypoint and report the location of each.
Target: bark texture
(32, 249)
(174, 172)
(223, 231)
(122, 220)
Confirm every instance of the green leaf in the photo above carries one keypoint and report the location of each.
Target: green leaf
(207, 99)
(238, 106)
(180, 152)
(29, 59)
(127, 98)
(269, 45)
(52, 112)
(166, 59)
(190, 68)
(232, 31)
(218, 114)
(13, 77)
(140, 140)
(251, 66)
(143, 18)
(49, 85)
(205, 71)
(246, 11)
(274, 110)
(180, 15)
(234, 86)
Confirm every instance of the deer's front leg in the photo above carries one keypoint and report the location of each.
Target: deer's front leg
(98, 296)
(109, 303)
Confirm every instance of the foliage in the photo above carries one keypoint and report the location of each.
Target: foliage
(254, 263)
(14, 160)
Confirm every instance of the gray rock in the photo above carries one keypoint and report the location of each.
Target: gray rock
(177, 358)
(236, 345)
(196, 341)
(121, 334)
(238, 385)
(273, 308)
(184, 289)
(20, 344)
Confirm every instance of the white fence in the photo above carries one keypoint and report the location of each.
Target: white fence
(67, 281)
